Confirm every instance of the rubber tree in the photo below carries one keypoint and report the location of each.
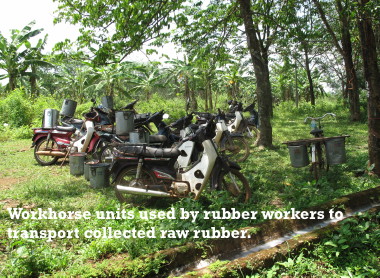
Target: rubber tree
(369, 47)
(258, 46)
(342, 41)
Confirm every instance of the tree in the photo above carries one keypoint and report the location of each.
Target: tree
(185, 70)
(344, 47)
(145, 79)
(18, 56)
(114, 29)
(258, 46)
(372, 76)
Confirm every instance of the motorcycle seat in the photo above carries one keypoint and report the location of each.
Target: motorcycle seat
(150, 152)
(66, 128)
(157, 138)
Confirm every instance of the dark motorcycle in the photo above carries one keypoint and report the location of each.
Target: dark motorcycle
(160, 172)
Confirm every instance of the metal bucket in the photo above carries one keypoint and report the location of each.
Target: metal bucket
(139, 137)
(50, 118)
(107, 102)
(124, 122)
(298, 156)
(87, 168)
(76, 161)
(68, 108)
(335, 151)
(99, 175)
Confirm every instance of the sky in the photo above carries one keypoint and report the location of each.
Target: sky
(16, 14)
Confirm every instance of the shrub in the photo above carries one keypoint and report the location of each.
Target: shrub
(16, 109)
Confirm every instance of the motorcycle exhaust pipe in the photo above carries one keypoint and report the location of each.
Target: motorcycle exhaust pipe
(51, 153)
(141, 191)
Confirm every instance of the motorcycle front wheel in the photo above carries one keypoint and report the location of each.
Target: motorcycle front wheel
(127, 177)
(236, 185)
(45, 145)
(236, 149)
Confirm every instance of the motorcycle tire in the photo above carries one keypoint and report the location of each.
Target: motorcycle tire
(127, 177)
(253, 133)
(236, 185)
(45, 145)
(236, 149)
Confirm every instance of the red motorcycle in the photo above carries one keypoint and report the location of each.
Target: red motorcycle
(53, 143)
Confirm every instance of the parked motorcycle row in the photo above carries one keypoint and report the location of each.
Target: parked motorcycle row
(178, 161)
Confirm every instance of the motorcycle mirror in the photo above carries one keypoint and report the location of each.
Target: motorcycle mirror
(165, 116)
(93, 100)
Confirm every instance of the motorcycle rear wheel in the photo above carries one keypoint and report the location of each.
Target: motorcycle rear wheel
(236, 185)
(237, 149)
(127, 177)
(45, 145)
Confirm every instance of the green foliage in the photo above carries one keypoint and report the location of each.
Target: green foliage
(16, 109)
(352, 251)
(31, 259)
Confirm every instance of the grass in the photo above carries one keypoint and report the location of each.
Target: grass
(275, 186)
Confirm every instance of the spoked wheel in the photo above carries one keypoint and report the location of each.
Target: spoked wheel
(46, 145)
(236, 185)
(251, 133)
(127, 177)
(236, 149)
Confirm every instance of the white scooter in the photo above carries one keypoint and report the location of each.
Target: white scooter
(142, 170)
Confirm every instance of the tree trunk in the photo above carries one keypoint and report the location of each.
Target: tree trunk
(309, 77)
(352, 88)
(352, 80)
(33, 82)
(210, 93)
(12, 82)
(260, 65)
(372, 76)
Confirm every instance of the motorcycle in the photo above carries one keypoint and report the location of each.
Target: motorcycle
(50, 144)
(232, 144)
(160, 172)
(165, 137)
(238, 124)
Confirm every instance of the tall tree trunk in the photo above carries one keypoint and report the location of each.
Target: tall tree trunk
(352, 88)
(352, 80)
(260, 65)
(372, 75)
(308, 72)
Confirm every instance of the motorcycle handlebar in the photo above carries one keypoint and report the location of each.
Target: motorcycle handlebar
(319, 118)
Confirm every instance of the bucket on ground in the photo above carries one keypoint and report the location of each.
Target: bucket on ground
(298, 156)
(99, 175)
(76, 161)
(50, 118)
(87, 168)
(124, 122)
(139, 137)
(336, 151)
(107, 102)
(68, 108)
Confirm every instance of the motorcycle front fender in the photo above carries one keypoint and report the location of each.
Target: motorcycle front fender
(37, 137)
(222, 166)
